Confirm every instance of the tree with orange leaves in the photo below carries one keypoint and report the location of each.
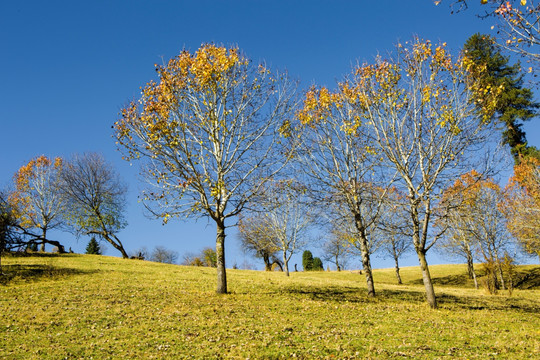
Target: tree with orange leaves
(522, 205)
(475, 224)
(210, 134)
(37, 200)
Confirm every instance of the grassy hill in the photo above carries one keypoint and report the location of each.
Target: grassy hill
(87, 306)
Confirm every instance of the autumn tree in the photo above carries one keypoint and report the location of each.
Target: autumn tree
(422, 106)
(515, 103)
(209, 133)
(37, 200)
(10, 234)
(206, 257)
(473, 223)
(522, 205)
(341, 162)
(95, 198)
(257, 242)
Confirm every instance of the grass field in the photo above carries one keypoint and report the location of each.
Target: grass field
(87, 306)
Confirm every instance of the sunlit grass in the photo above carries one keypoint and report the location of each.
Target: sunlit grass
(75, 306)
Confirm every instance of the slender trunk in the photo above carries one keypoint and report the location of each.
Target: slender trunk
(117, 245)
(397, 271)
(474, 278)
(267, 264)
(286, 263)
(499, 268)
(337, 264)
(364, 249)
(470, 267)
(220, 253)
(44, 236)
(366, 264)
(426, 276)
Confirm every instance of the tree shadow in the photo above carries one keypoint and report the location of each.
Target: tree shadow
(33, 273)
(527, 279)
(23, 254)
(414, 297)
(329, 293)
(461, 280)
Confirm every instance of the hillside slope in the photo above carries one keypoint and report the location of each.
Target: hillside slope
(88, 306)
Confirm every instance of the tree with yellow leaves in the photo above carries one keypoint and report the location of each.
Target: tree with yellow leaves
(430, 118)
(210, 134)
(342, 164)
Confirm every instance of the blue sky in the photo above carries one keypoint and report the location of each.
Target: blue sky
(67, 68)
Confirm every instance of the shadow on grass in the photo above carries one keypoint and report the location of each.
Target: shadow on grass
(461, 280)
(28, 273)
(524, 279)
(354, 295)
(528, 279)
(38, 254)
(413, 297)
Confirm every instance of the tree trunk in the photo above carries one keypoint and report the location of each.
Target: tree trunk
(220, 254)
(366, 262)
(267, 264)
(44, 236)
(397, 271)
(474, 278)
(286, 263)
(470, 267)
(276, 261)
(499, 268)
(337, 264)
(60, 247)
(426, 276)
(116, 244)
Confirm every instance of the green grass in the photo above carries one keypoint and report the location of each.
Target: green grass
(89, 306)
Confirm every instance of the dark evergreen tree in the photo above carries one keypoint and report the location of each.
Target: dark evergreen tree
(307, 260)
(93, 247)
(317, 264)
(516, 103)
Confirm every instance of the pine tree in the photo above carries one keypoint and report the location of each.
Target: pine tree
(516, 103)
(317, 264)
(93, 247)
(307, 260)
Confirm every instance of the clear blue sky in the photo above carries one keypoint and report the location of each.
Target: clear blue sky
(67, 67)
